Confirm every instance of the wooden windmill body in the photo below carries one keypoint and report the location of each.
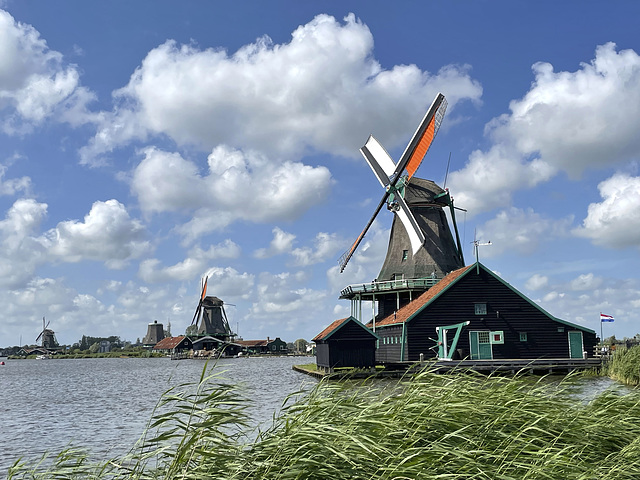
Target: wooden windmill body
(210, 317)
(422, 248)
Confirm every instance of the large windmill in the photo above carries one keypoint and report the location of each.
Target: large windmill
(421, 246)
(47, 337)
(210, 316)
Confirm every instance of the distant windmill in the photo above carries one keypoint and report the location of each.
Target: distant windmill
(210, 316)
(47, 337)
(421, 243)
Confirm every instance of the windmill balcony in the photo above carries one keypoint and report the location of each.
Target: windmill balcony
(370, 289)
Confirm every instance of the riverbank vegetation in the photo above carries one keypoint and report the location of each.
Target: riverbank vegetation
(624, 366)
(428, 426)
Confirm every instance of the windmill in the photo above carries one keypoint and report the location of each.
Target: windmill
(48, 337)
(421, 244)
(210, 316)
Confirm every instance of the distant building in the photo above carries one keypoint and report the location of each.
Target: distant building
(105, 346)
(173, 345)
(272, 346)
(155, 333)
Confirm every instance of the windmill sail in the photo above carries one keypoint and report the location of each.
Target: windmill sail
(389, 175)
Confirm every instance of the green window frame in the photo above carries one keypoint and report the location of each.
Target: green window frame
(480, 308)
(523, 336)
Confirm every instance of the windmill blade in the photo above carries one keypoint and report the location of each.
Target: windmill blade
(379, 160)
(196, 315)
(422, 139)
(40, 335)
(344, 259)
(410, 223)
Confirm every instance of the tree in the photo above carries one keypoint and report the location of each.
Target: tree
(191, 330)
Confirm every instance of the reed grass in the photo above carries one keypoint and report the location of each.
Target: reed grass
(624, 365)
(429, 426)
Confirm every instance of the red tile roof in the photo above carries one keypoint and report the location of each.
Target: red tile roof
(334, 325)
(252, 343)
(407, 311)
(168, 343)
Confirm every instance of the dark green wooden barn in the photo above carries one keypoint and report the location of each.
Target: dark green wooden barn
(484, 316)
(345, 343)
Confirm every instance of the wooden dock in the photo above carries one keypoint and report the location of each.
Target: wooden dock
(546, 366)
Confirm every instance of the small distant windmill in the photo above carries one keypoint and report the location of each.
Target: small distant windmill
(420, 244)
(210, 316)
(47, 336)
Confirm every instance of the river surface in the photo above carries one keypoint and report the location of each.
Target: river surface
(104, 404)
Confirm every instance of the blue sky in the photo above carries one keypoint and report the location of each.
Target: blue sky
(147, 144)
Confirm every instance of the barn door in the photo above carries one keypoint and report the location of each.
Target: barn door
(575, 344)
(480, 343)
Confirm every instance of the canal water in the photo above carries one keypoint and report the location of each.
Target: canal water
(104, 404)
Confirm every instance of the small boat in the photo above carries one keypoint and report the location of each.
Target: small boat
(42, 357)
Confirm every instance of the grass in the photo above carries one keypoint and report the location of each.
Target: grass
(624, 366)
(429, 426)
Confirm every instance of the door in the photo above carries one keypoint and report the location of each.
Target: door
(480, 343)
(575, 344)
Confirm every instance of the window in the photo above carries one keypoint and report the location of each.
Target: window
(480, 308)
(560, 329)
(497, 338)
(405, 255)
(483, 337)
(523, 336)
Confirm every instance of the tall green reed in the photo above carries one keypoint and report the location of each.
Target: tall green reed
(428, 426)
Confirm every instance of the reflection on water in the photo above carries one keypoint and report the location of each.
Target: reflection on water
(104, 404)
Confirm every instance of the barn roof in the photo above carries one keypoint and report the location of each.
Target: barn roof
(408, 311)
(168, 343)
(337, 325)
(252, 343)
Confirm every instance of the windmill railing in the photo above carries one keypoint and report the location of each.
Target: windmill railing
(389, 286)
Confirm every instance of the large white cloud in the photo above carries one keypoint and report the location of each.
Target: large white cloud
(567, 121)
(323, 91)
(152, 271)
(519, 231)
(34, 83)
(614, 222)
(107, 234)
(237, 186)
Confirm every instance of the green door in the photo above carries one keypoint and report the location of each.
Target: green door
(575, 344)
(480, 343)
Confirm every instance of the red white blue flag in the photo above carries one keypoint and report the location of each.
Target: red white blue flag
(606, 318)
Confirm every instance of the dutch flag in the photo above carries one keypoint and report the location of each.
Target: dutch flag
(606, 318)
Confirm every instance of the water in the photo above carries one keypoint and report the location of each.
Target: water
(104, 404)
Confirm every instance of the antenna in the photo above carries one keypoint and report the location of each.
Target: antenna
(476, 244)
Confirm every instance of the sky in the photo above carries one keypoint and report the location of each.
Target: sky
(146, 145)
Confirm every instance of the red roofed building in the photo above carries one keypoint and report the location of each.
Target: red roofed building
(171, 345)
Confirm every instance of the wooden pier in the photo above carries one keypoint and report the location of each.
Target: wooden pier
(546, 366)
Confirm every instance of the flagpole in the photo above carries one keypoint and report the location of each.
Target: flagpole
(601, 337)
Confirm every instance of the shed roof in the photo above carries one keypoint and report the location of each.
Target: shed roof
(169, 342)
(337, 325)
(408, 311)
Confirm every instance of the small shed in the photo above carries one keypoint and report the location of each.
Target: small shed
(345, 343)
